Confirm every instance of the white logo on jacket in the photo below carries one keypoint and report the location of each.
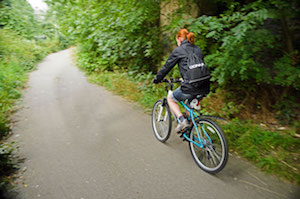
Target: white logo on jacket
(196, 66)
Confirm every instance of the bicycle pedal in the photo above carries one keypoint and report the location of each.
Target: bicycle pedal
(181, 131)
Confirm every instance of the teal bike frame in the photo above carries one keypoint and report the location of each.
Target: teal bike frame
(192, 117)
(198, 141)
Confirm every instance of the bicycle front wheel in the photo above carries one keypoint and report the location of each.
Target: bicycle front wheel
(161, 120)
(212, 156)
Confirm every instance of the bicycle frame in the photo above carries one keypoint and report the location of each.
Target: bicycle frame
(201, 132)
(192, 117)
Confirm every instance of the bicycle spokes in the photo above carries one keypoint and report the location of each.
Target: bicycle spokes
(206, 139)
(212, 157)
(161, 121)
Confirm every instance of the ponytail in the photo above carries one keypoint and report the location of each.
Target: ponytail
(191, 37)
(185, 34)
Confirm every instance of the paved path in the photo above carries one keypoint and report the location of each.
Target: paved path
(81, 142)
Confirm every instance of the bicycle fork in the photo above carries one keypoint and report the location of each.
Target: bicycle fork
(161, 111)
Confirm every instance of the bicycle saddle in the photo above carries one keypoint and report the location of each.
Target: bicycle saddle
(195, 102)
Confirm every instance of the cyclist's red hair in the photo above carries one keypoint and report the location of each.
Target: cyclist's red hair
(185, 34)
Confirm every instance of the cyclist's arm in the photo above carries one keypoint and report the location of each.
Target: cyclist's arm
(170, 63)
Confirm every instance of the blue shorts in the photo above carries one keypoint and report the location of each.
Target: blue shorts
(178, 96)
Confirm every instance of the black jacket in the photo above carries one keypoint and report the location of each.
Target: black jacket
(179, 56)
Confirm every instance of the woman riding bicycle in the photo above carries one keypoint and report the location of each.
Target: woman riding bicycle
(187, 90)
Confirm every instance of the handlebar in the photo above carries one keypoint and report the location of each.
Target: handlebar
(172, 80)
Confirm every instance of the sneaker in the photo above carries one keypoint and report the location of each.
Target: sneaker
(182, 125)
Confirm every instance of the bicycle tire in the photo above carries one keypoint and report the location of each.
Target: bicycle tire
(211, 151)
(163, 133)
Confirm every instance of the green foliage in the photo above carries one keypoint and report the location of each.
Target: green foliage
(18, 15)
(17, 57)
(250, 48)
(112, 34)
(218, 104)
(18, 54)
(286, 110)
(288, 73)
(240, 47)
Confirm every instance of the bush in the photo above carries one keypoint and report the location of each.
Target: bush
(112, 34)
(251, 51)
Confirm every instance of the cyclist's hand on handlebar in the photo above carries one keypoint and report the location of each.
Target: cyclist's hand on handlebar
(177, 80)
(155, 81)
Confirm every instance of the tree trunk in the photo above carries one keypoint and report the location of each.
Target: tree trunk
(287, 34)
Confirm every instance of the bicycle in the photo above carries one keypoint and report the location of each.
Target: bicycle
(206, 139)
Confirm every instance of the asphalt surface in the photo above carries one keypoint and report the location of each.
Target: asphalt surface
(79, 141)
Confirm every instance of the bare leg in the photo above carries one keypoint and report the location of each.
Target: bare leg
(176, 110)
(187, 113)
(174, 107)
(187, 116)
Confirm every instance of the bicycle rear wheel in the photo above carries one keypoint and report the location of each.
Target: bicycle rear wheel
(213, 157)
(161, 120)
